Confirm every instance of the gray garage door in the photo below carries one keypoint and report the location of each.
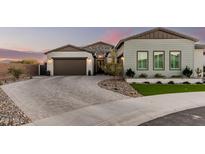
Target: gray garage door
(74, 66)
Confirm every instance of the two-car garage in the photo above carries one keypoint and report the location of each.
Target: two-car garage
(70, 66)
(70, 60)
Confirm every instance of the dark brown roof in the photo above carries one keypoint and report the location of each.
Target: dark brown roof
(199, 46)
(144, 35)
(75, 48)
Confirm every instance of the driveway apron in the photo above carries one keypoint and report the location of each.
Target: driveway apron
(43, 97)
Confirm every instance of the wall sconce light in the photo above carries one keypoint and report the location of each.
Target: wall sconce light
(122, 58)
(49, 61)
(89, 60)
(100, 56)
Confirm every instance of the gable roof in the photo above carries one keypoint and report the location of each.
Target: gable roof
(99, 42)
(157, 33)
(99, 48)
(68, 47)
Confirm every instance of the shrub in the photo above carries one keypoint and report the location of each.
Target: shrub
(198, 72)
(187, 72)
(114, 69)
(171, 82)
(146, 82)
(176, 76)
(186, 82)
(158, 82)
(29, 61)
(158, 75)
(130, 73)
(15, 72)
(143, 75)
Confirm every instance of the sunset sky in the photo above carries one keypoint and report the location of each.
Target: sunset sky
(43, 39)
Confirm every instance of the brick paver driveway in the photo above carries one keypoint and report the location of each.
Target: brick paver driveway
(43, 97)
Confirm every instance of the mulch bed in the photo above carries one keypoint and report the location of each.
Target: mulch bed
(10, 114)
(120, 86)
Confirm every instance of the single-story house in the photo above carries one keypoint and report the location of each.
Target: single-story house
(160, 51)
(73, 60)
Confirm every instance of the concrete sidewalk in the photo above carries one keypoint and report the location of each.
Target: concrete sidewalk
(129, 112)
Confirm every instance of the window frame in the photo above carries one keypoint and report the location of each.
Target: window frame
(175, 69)
(154, 60)
(147, 60)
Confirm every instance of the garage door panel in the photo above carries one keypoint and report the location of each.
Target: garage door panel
(70, 66)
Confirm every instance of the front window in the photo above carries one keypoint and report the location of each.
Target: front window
(142, 60)
(175, 60)
(158, 60)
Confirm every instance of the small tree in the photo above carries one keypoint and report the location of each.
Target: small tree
(15, 72)
(113, 68)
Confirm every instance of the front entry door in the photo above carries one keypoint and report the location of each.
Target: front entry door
(100, 64)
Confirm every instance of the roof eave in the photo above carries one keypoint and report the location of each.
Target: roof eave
(98, 43)
(57, 49)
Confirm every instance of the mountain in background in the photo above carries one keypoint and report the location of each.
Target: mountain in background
(7, 55)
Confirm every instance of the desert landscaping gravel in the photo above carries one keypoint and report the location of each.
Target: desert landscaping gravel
(120, 86)
(10, 114)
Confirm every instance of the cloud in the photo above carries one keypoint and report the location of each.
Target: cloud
(23, 49)
(113, 35)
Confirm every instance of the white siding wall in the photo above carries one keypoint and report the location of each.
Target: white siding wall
(132, 46)
(75, 54)
(198, 60)
(204, 58)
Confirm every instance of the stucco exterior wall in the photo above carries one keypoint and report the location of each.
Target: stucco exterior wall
(69, 54)
(132, 46)
(198, 60)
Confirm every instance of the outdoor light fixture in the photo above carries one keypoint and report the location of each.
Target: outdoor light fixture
(100, 56)
(50, 61)
(89, 60)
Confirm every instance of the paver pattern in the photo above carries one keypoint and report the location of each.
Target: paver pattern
(43, 97)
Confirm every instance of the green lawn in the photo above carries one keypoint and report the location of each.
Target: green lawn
(155, 89)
